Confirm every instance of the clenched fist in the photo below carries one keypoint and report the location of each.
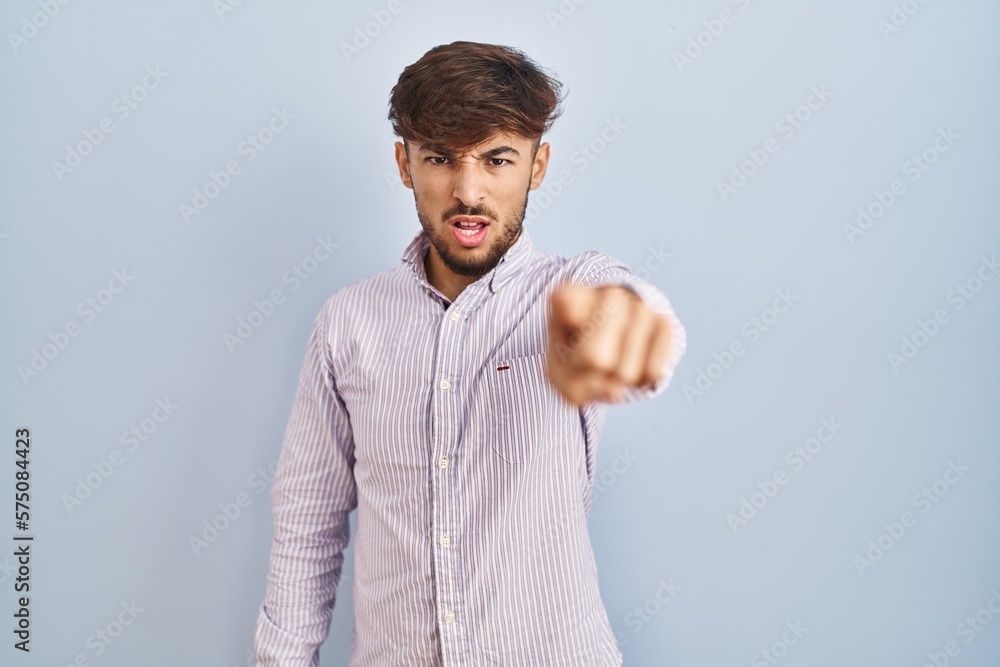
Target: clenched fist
(603, 340)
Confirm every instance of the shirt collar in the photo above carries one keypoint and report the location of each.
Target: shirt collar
(513, 261)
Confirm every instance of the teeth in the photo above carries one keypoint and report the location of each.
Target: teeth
(469, 232)
(470, 225)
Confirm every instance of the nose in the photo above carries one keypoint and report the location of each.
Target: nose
(469, 187)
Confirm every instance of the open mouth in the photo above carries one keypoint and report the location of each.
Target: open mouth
(470, 232)
(470, 228)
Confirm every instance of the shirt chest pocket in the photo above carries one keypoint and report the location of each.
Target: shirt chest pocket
(522, 409)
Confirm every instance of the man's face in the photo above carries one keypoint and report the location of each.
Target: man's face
(486, 188)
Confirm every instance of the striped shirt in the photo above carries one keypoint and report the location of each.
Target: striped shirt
(471, 476)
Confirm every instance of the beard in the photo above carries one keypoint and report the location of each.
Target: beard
(503, 234)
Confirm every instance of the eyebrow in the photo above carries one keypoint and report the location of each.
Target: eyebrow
(492, 153)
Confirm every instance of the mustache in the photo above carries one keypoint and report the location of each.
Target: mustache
(480, 211)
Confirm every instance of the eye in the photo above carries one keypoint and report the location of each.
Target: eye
(495, 160)
(434, 160)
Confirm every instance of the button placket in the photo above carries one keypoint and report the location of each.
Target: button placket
(449, 338)
(447, 406)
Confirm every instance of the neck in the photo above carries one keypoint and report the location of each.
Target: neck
(444, 279)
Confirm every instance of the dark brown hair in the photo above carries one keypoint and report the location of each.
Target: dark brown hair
(460, 94)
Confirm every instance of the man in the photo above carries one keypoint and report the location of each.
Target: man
(457, 401)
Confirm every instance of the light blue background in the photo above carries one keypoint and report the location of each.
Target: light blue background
(653, 188)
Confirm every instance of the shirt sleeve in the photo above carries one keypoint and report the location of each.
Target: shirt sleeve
(314, 492)
(599, 270)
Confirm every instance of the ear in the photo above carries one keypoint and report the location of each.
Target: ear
(403, 162)
(539, 166)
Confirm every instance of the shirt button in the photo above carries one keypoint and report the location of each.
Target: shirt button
(442, 463)
(454, 317)
(449, 616)
(445, 542)
(445, 384)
